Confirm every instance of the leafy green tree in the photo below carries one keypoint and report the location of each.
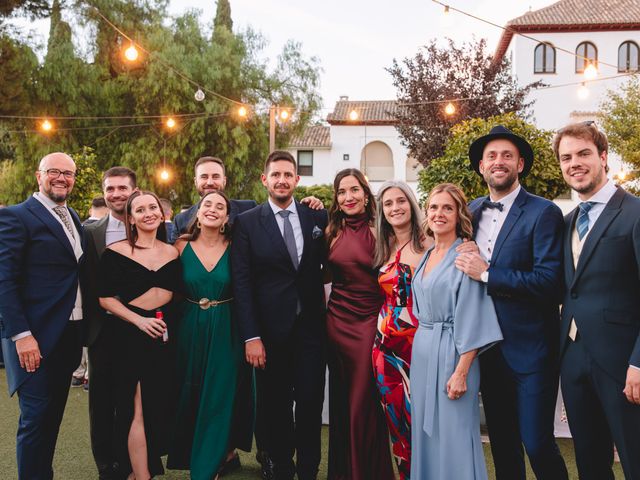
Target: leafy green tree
(544, 179)
(620, 119)
(439, 73)
(31, 8)
(87, 185)
(323, 192)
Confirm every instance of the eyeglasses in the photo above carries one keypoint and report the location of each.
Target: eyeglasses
(589, 123)
(56, 172)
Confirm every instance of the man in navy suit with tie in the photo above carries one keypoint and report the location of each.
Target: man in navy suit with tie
(600, 329)
(519, 237)
(277, 253)
(41, 246)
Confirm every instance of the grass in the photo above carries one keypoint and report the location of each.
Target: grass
(73, 459)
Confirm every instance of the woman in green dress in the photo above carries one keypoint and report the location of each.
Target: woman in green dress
(209, 348)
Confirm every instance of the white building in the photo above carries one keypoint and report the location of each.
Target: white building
(369, 142)
(565, 38)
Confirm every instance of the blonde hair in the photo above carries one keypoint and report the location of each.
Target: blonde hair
(464, 228)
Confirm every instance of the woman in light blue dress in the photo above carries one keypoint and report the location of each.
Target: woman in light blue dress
(457, 321)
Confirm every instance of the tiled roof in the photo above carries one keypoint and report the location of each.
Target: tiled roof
(313, 136)
(571, 16)
(583, 12)
(371, 112)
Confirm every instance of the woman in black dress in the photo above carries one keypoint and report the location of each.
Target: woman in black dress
(138, 278)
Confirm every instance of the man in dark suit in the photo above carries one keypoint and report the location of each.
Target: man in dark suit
(41, 247)
(519, 237)
(600, 329)
(118, 183)
(209, 176)
(277, 254)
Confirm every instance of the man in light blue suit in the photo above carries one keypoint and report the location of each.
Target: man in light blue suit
(519, 237)
(41, 247)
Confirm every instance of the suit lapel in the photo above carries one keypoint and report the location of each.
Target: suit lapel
(611, 211)
(476, 212)
(269, 223)
(569, 269)
(46, 217)
(100, 235)
(514, 213)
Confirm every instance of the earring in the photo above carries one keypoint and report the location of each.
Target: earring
(198, 224)
(222, 228)
(366, 201)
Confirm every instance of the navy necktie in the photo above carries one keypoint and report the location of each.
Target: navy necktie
(489, 204)
(289, 238)
(582, 225)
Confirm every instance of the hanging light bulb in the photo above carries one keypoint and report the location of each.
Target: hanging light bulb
(170, 123)
(131, 53)
(242, 112)
(199, 95)
(583, 92)
(46, 126)
(353, 115)
(590, 72)
(622, 175)
(164, 175)
(450, 109)
(284, 115)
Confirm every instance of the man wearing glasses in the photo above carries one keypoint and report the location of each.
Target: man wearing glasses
(41, 247)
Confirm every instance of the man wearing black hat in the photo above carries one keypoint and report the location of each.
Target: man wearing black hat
(519, 237)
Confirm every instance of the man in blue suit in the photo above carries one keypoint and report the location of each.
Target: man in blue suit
(277, 254)
(600, 329)
(519, 237)
(209, 176)
(41, 246)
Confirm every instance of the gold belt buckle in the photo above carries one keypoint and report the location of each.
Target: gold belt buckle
(205, 303)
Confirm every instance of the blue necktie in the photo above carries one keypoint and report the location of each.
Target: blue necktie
(582, 225)
(289, 238)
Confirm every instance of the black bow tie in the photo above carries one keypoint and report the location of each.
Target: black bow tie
(489, 204)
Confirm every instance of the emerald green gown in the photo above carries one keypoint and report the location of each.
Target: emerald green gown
(208, 361)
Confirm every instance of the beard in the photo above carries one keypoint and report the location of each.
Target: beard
(592, 185)
(503, 184)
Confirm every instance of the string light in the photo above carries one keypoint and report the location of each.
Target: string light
(131, 53)
(164, 175)
(583, 92)
(46, 126)
(450, 109)
(242, 112)
(590, 72)
(170, 123)
(353, 115)
(284, 114)
(199, 95)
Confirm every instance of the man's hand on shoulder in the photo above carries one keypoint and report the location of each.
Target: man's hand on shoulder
(255, 353)
(472, 264)
(632, 385)
(28, 353)
(313, 203)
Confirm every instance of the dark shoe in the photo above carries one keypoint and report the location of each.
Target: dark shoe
(85, 387)
(268, 468)
(229, 466)
(77, 382)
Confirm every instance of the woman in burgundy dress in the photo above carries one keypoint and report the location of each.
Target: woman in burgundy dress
(358, 436)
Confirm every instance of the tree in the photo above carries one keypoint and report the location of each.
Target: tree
(544, 179)
(322, 192)
(436, 74)
(31, 8)
(620, 119)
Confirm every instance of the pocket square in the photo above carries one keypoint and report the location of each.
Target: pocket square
(316, 233)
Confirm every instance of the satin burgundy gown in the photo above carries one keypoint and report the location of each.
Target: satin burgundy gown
(358, 435)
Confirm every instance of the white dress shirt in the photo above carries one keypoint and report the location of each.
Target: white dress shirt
(295, 224)
(74, 240)
(491, 222)
(115, 231)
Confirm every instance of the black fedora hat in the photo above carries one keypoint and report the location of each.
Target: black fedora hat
(477, 148)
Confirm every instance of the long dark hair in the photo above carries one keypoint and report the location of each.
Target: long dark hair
(384, 231)
(131, 230)
(336, 216)
(194, 229)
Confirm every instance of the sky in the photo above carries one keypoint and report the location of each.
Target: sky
(355, 40)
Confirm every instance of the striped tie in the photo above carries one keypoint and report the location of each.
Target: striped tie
(582, 225)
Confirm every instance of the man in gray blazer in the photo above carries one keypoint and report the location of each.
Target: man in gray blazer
(600, 326)
(118, 183)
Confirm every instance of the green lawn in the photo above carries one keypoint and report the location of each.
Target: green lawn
(73, 460)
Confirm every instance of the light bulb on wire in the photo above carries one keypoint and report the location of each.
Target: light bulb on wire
(170, 123)
(353, 115)
(284, 115)
(590, 72)
(164, 175)
(131, 53)
(199, 95)
(242, 112)
(583, 92)
(46, 126)
(450, 109)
